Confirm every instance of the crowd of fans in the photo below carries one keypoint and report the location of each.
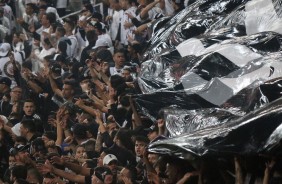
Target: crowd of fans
(66, 86)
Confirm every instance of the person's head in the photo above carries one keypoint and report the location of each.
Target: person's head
(153, 158)
(27, 128)
(91, 36)
(85, 83)
(38, 149)
(18, 172)
(79, 151)
(47, 44)
(60, 32)
(48, 136)
(111, 162)
(140, 145)
(29, 107)
(80, 132)
(68, 90)
(175, 169)
(34, 176)
(94, 25)
(123, 139)
(5, 49)
(19, 140)
(115, 5)
(129, 171)
(47, 60)
(48, 19)
(30, 8)
(125, 4)
(12, 161)
(119, 58)
(111, 124)
(102, 175)
(96, 16)
(152, 132)
(16, 94)
(126, 74)
(16, 37)
(69, 25)
(5, 84)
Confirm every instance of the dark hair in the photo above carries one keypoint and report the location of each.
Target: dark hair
(51, 17)
(71, 83)
(91, 35)
(119, 51)
(47, 41)
(29, 100)
(33, 6)
(29, 124)
(132, 171)
(48, 58)
(124, 136)
(61, 30)
(50, 135)
(142, 139)
(54, 26)
(19, 172)
(38, 145)
(62, 46)
(70, 22)
(20, 139)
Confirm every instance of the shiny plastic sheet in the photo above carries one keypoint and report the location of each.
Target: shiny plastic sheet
(256, 132)
(215, 69)
(193, 21)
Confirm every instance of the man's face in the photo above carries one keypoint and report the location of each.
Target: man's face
(28, 10)
(23, 131)
(139, 148)
(125, 74)
(44, 20)
(111, 126)
(119, 59)
(16, 94)
(67, 91)
(28, 108)
(123, 4)
(12, 161)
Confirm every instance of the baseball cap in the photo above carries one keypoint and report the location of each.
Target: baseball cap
(6, 81)
(102, 42)
(4, 49)
(109, 158)
(19, 148)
